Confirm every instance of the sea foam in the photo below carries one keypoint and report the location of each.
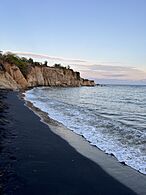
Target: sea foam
(115, 125)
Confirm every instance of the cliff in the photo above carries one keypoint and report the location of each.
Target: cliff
(11, 77)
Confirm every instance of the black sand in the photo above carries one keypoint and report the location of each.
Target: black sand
(33, 160)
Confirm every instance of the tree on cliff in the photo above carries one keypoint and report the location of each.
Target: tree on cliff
(45, 63)
(30, 60)
(1, 54)
(59, 66)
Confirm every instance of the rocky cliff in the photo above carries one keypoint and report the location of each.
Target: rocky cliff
(12, 78)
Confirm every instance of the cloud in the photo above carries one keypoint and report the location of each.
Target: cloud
(108, 67)
(115, 75)
(111, 72)
(43, 56)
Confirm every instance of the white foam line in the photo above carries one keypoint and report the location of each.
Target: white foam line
(124, 174)
(114, 147)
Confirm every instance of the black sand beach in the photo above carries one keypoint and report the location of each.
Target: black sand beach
(33, 160)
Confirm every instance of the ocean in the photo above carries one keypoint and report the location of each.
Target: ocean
(112, 117)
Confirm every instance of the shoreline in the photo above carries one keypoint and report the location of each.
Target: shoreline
(98, 127)
(109, 163)
(36, 160)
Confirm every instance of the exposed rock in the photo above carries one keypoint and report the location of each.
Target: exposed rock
(11, 77)
(86, 82)
(35, 77)
(60, 77)
(1, 67)
(7, 82)
(16, 74)
(50, 76)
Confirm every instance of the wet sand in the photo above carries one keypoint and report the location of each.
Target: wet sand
(34, 160)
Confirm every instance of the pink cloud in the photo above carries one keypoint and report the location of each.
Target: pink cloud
(43, 56)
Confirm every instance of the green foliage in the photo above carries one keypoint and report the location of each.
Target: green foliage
(60, 66)
(78, 75)
(37, 64)
(68, 67)
(30, 60)
(1, 55)
(45, 63)
(21, 63)
(24, 59)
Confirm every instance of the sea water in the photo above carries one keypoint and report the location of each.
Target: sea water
(113, 118)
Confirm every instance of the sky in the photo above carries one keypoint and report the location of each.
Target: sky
(103, 39)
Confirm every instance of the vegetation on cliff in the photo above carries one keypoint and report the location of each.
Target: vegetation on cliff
(61, 67)
(21, 73)
(24, 64)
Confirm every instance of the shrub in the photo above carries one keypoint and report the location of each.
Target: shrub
(21, 63)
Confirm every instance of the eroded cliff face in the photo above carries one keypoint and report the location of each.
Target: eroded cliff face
(7, 82)
(16, 74)
(86, 82)
(49, 76)
(12, 78)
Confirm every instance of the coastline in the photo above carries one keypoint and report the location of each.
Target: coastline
(99, 118)
(36, 160)
(126, 175)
